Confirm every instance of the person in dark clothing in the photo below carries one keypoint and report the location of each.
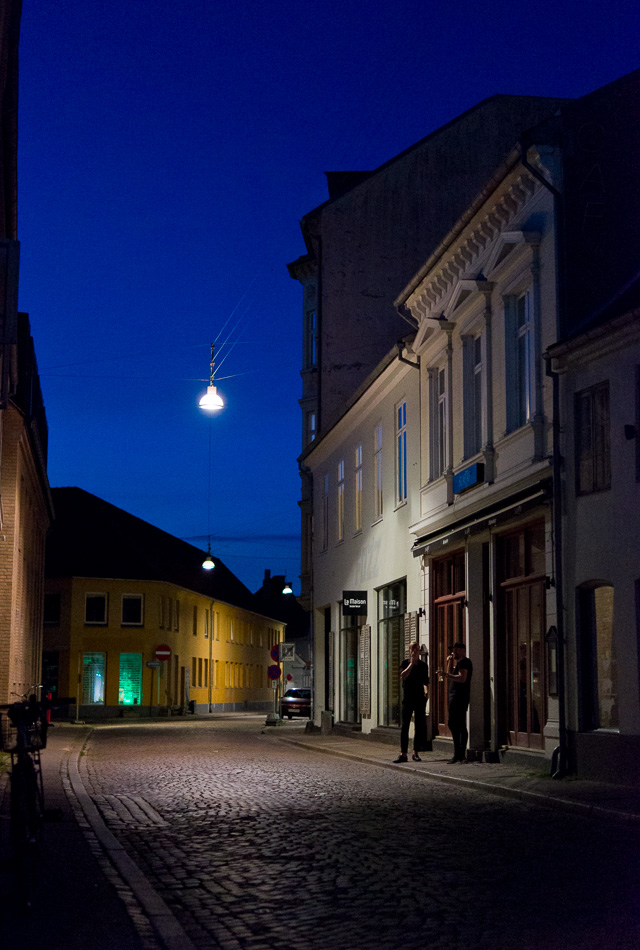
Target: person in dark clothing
(459, 672)
(414, 674)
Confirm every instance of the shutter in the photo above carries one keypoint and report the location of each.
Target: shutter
(364, 670)
(329, 699)
(410, 630)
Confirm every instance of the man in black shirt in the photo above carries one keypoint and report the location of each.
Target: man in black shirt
(459, 672)
(414, 674)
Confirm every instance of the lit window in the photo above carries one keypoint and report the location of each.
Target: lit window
(93, 678)
(130, 680)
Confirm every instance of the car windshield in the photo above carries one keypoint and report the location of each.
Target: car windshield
(297, 694)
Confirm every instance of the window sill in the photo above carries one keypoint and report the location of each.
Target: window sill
(400, 504)
(377, 521)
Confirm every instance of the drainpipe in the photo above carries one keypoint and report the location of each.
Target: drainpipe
(559, 759)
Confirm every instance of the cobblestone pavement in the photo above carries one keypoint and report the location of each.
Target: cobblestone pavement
(255, 844)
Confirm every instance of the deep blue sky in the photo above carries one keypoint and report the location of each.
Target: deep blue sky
(167, 152)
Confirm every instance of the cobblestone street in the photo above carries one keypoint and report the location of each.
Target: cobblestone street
(255, 844)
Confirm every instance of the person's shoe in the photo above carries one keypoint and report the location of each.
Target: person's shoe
(401, 758)
(453, 760)
(416, 757)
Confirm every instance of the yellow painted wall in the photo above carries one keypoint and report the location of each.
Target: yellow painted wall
(224, 648)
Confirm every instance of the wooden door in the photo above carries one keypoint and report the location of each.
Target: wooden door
(522, 621)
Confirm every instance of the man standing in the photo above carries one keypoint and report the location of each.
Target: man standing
(459, 672)
(414, 674)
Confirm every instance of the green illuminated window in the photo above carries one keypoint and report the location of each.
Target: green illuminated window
(93, 678)
(130, 681)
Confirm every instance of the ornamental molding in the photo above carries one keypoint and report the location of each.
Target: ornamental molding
(467, 265)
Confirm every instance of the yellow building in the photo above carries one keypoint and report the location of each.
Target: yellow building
(133, 624)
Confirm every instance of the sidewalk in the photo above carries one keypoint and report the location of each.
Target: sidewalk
(81, 902)
(597, 799)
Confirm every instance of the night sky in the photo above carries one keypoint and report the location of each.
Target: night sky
(167, 152)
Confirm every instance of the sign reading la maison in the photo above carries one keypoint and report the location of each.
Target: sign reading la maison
(354, 603)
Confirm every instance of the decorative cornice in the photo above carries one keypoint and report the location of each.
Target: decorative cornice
(461, 264)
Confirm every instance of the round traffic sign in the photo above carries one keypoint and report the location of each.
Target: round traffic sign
(274, 672)
(163, 652)
(275, 653)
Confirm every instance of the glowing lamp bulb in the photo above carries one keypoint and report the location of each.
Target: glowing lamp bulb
(211, 401)
(208, 563)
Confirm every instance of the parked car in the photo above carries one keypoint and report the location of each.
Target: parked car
(296, 702)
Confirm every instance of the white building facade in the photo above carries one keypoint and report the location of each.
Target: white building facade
(365, 582)
(484, 308)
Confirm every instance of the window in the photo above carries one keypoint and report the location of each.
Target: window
(206, 624)
(341, 500)
(324, 540)
(357, 514)
(310, 357)
(51, 608)
(401, 453)
(130, 680)
(473, 398)
(132, 610)
(519, 339)
(598, 658)
(176, 616)
(438, 420)
(593, 469)
(377, 468)
(195, 621)
(95, 608)
(310, 426)
(93, 678)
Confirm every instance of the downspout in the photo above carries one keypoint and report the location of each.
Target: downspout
(559, 759)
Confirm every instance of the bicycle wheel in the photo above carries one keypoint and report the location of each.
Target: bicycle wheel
(26, 827)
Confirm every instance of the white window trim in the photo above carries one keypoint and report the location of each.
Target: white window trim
(401, 492)
(378, 472)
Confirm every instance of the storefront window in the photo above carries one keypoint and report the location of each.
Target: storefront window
(93, 678)
(130, 681)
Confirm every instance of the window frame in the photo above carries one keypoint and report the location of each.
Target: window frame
(105, 598)
(401, 452)
(340, 501)
(597, 455)
(378, 471)
(358, 486)
(131, 597)
(520, 351)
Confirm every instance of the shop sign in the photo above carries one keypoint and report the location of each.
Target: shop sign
(468, 478)
(354, 603)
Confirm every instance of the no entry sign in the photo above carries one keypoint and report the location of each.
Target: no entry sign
(163, 652)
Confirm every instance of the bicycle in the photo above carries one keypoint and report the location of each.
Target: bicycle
(23, 733)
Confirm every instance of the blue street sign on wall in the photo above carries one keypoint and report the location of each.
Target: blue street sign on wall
(468, 478)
